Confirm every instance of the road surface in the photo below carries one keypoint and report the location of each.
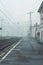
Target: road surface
(25, 52)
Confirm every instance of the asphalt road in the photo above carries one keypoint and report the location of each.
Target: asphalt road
(26, 52)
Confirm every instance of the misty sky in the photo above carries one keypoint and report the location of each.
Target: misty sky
(17, 11)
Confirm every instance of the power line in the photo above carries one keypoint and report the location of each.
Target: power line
(6, 17)
(6, 14)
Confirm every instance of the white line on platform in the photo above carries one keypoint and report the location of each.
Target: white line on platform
(9, 51)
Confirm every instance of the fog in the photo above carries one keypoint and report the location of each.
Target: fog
(18, 13)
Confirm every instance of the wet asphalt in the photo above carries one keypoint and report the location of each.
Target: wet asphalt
(28, 52)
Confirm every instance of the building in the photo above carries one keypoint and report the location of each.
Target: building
(34, 30)
(40, 10)
(37, 29)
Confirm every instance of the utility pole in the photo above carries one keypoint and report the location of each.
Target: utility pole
(30, 26)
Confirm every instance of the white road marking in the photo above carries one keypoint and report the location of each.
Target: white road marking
(9, 51)
(2, 54)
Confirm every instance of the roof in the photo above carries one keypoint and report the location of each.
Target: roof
(41, 6)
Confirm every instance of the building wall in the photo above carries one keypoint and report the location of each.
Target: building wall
(41, 32)
(35, 28)
(41, 18)
(41, 23)
(41, 26)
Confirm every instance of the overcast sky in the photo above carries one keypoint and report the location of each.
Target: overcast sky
(17, 11)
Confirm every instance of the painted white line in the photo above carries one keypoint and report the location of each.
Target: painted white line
(9, 51)
(2, 54)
